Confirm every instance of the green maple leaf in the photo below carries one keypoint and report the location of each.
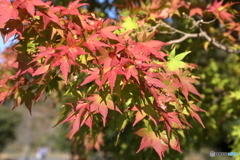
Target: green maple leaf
(175, 62)
(130, 23)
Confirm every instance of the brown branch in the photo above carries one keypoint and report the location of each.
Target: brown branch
(215, 43)
(185, 37)
(201, 33)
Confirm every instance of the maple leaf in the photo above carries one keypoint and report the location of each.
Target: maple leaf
(173, 117)
(92, 44)
(141, 114)
(30, 5)
(64, 62)
(111, 68)
(51, 12)
(111, 77)
(13, 27)
(91, 142)
(168, 119)
(88, 24)
(153, 47)
(196, 116)
(61, 59)
(79, 116)
(195, 107)
(45, 52)
(106, 32)
(174, 144)
(226, 16)
(41, 70)
(220, 10)
(73, 8)
(46, 18)
(155, 44)
(64, 67)
(175, 61)
(132, 71)
(8, 10)
(215, 6)
(196, 10)
(101, 105)
(57, 30)
(65, 58)
(99, 141)
(150, 139)
(153, 82)
(94, 75)
(149, 47)
(129, 23)
(50, 15)
(72, 51)
(187, 84)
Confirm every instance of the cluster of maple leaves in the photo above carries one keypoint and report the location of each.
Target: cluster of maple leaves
(106, 67)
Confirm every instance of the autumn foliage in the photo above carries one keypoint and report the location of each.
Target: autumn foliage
(105, 69)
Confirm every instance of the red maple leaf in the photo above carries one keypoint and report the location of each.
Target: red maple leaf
(94, 75)
(51, 12)
(132, 71)
(220, 10)
(226, 16)
(196, 116)
(64, 58)
(64, 67)
(15, 27)
(91, 142)
(111, 77)
(73, 8)
(102, 106)
(8, 10)
(45, 52)
(141, 114)
(79, 116)
(111, 68)
(72, 51)
(187, 85)
(64, 62)
(153, 82)
(29, 5)
(196, 10)
(106, 32)
(50, 15)
(41, 70)
(92, 44)
(150, 139)
(174, 144)
(215, 6)
(150, 47)
(168, 119)
(3, 96)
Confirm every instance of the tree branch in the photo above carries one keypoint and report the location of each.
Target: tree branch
(186, 36)
(201, 33)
